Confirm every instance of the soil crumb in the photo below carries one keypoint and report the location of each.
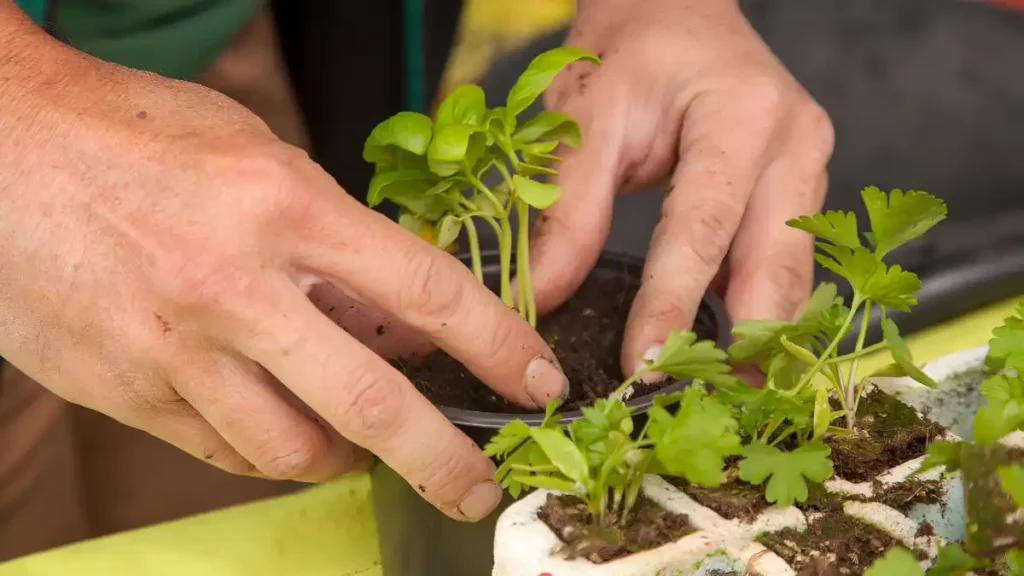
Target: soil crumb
(907, 494)
(735, 500)
(648, 526)
(586, 336)
(833, 545)
(889, 433)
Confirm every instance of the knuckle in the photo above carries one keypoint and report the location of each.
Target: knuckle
(817, 131)
(708, 231)
(765, 96)
(293, 458)
(428, 289)
(447, 479)
(373, 406)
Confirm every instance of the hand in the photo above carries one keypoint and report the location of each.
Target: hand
(687, 91)
(159, 243)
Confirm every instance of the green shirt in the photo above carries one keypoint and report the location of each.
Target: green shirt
(175, 38)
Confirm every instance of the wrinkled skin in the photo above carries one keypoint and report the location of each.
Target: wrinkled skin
(687, 96)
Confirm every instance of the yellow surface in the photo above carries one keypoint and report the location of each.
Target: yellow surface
(492, 26)
(327, 530)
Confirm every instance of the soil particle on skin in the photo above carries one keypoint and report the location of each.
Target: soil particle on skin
(924, 529)
(833, 545)
(889, 433)
(648, 526)
(735, 500)
(586, 337)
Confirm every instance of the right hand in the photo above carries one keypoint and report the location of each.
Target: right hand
(158, 245)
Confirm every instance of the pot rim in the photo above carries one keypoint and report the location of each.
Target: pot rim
(495, 420)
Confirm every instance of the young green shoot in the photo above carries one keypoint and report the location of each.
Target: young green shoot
(602, 459)
(436, 169)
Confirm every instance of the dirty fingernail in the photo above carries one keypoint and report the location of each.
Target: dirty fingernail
(480, 501)
(545, 381)
(650, 356)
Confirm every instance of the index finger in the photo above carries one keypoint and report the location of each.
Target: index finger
(721, 155)
(434, 293)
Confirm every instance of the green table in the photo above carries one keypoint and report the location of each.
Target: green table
(327, 530)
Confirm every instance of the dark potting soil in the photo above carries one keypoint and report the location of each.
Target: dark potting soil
(648, 526)
(888, 434)
(833, 545)
(734, 500)
(586, 336)
(909, 493)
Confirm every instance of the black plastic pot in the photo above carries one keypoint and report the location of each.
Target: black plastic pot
(415, 538)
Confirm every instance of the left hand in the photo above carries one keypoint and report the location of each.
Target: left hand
(686, 90)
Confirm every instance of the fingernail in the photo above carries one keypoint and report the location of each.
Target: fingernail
(650, 356)
(480, 501)
(545, 381)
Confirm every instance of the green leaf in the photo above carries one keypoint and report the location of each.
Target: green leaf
(896, 218)
(837, 227)
(508, 438)
(547, 482)
(1012, 479)
(901, 354)
(411, 222)
(896, 562)
(539, 74)
(550, 125)
(407, 131)
(941, 454)
(1015, 562)
(562, 453)
(952, 561)
(399, 185)
(1006, 348)
(760, 339)
(536, 170)
(694, 443)
(539, 195)
(993, 421)
(454, 148)
(787, 470)
(495, 121)
(464, 105)
(756, 339)
(870, 278)
(447, 231)
(683, 357)
(551, 417)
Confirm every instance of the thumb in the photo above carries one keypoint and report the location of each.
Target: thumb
(568, 237)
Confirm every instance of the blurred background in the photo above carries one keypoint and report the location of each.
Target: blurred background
(924, 94)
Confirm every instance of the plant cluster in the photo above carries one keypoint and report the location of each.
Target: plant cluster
(1002, 413)
(775, 431)
(435, 170)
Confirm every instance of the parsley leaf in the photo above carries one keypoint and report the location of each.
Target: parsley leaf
(562, 453)
(760, 339)
(896, 218)
(786, 469)
(508, 438)
(837, 227)
(891, 287)
(1012, 479)
(694, 443)
(1015, 562)
(896, 562)
(1006, 348)
(901, 354)
(683, 357)
(941, 454)
(952, 561)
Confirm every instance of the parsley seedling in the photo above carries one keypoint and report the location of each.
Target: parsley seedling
(435, 169)
(601, 459)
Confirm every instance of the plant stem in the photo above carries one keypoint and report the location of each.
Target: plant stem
(617, 394)
(858, 354)
(523, 268)
(504, 240)
(474, 249)
(852, 391)
(809, 375)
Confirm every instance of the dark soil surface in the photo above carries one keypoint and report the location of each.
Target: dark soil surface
(586, 336)
(735, 500)
(648, 526)
(833, 545)
(889, 433)
(906, 495)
